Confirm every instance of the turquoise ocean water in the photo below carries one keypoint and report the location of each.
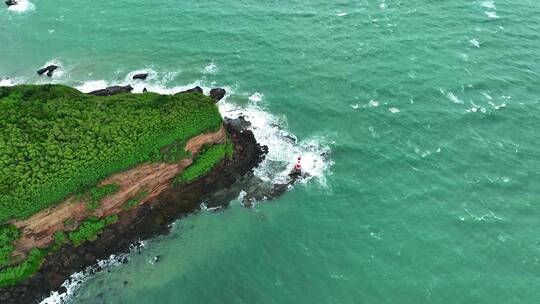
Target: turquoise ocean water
(419, 120)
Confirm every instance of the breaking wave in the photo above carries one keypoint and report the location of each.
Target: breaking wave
(22, 6)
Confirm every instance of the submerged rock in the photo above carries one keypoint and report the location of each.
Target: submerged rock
(49, 69)
(112, 91)
(196, 89)
(217, 94)
(11, 2)
(141, 76)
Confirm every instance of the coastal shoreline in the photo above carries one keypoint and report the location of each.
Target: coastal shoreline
(144, 221)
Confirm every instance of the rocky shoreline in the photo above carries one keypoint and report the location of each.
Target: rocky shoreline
(218, 188)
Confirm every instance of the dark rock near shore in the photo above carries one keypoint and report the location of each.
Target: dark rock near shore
(196, 89)
(141, 76)
(112, 91)
(11, 2)
(240, 123)
(144, 90)
(49, 69)
(217, 94)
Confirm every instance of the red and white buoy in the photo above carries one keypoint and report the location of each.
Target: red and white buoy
(298, 165)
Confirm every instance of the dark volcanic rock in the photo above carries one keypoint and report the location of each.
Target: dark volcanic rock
(141, 76)
(112, 91)
(196, 89)
(146, 221)
(239, 123)
(144, 90)
(217, 94)
(49, 69)
(11, 2)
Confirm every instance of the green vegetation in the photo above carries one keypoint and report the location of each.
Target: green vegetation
(90, 228)
(229, 150)
(8, 235)
(55, 141)
(135, 200)
(68, 222)
(175, 152)
(99, 193)
(15, 274)
(205, 161)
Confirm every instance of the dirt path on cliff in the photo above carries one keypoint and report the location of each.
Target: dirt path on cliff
(151, 178)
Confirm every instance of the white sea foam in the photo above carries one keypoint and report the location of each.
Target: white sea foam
(373, 103)
(22, 6)
(76, 280)
(211, 68)
(488, 4)
(92, 85)
(256, 97)
(453, 98)
(393, 110)
(492, 15)
(475, 42)
(282, 146)
(8, 82)
(355, 106)
(341, 14)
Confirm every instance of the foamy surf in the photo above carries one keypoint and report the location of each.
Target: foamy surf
(22, 6)
(283, 147)
(8, 82)
(76, 280)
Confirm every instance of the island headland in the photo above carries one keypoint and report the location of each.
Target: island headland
(85, 176)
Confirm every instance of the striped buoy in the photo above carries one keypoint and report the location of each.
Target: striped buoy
(298, 165)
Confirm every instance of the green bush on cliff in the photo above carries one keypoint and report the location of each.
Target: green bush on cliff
(205, 161)
(90, 228)
(55, 141)
(15, 274)
(8, 234)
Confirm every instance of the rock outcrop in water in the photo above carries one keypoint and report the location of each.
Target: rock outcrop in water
(217, 94)
(141, 76)
(112, 91)
(11, 2)
(49, 69)
(196, 89)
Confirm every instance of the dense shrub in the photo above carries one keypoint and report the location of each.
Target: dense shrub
(90, 228)
(8, 234)
(55, 141)
(205, 161)
(12, 275)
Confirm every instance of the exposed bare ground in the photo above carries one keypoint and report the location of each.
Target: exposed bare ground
(38, 231)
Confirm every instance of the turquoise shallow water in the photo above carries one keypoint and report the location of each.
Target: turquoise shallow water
(429, 111)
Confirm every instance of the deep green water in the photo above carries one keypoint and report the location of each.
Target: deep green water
(428, 112)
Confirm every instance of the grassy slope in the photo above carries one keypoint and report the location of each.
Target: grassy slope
(55, 141)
